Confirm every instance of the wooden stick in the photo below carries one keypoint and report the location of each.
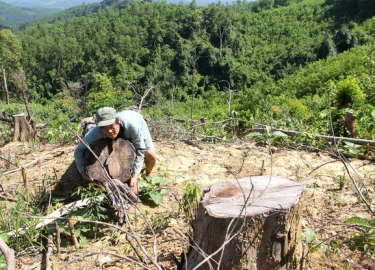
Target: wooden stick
(9, 199)
(25, 183)
(49, 252)
(58, 239)
(71, 223)
(34, 162)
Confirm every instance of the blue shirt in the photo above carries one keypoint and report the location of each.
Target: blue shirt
(134, 129)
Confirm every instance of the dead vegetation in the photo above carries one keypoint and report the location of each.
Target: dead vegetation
(155, 237)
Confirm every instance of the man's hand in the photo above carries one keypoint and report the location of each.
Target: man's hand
(87, 177)
(134, 183)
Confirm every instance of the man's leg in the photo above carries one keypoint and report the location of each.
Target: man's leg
(150, 161)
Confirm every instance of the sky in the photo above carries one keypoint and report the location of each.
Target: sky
(63, 4)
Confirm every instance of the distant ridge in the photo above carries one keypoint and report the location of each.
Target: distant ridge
(56, 4)
(17, 15)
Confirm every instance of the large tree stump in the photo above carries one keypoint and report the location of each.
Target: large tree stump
(21, 128)
(112, 168)
(252, 223)
(117, 157)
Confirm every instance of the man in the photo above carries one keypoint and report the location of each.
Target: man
(128, 125)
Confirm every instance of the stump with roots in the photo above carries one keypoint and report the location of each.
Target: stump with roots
(252, 223)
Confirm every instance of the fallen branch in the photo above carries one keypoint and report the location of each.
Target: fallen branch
(9, 199)
(57, 214)
(34, 162)
(8, 254)
(324, 137)
(4, 119)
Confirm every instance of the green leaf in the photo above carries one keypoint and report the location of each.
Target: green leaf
(156, 197)
(309, 236)
(279, 134)
(268, 130)
(158, 180)
(4, 236)
(164, 192)
(359, 221)
(254, 134)
(83, 240)
(143, 184)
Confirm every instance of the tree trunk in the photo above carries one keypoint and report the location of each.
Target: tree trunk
(252, 223)
(5, 87)
(21, 128)
(115, 156)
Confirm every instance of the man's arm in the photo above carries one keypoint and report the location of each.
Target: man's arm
(80, 152)
(137, 139)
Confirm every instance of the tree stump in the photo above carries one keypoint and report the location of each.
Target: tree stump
(117, 157)
(21, 128)
(252, 223)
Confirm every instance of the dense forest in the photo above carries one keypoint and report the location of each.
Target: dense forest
(285, 63)
(248, 74)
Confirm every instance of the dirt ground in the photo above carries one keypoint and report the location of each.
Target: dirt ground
(325, 206)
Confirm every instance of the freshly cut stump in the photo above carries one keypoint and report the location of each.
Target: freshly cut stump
(252, 223)
(113, 168)
(117, 157)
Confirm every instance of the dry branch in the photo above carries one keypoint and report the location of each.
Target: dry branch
(57, 214)
(9, 199)
(34, 162)
(324, 137)
(8, 254)
(4, 119)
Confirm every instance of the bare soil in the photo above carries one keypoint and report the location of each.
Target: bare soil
(325, 205)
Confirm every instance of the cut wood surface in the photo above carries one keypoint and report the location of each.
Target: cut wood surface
(113, 166)
(21, 128)
(250, 223)
(116, 156)
(266, 193)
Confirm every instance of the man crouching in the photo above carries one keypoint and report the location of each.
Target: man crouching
(129, 125)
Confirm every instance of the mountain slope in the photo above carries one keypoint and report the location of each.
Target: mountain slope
(56, 4)
(18, 15)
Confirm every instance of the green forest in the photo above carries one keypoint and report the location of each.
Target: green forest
(293, 64)
(223, 88)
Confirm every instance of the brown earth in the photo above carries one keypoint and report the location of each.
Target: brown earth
(325, 206)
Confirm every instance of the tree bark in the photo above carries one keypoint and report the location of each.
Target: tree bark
(252, 223)
(5, 87)
(21, 128)
(8, 254)
(115, 156)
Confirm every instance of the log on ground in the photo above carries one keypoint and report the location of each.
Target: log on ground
(252, 223)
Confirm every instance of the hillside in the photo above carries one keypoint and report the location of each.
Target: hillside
(217, 84)
(57, 4)
(327, 204)
(18, 15)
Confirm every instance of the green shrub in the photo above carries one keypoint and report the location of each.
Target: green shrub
(349, 94)
(149, 188)
(297, 109)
